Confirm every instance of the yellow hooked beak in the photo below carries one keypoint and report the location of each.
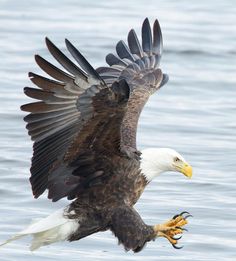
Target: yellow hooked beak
(187, 170)
(184, 168)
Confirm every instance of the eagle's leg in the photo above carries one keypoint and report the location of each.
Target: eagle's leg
(172, 228)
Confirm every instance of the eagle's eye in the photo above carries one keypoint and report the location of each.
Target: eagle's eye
(176, 159)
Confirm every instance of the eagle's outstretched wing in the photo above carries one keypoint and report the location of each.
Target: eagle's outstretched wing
(76, 115)
(85, 115)
(138, 64)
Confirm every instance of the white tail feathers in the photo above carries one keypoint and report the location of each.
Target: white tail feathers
(55, 227)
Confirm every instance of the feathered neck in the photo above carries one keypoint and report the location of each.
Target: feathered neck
(154, 161)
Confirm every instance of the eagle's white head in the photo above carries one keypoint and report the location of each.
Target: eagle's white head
(154, 161)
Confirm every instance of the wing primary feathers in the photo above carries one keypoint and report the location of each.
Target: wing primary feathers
(134, 44)
(112, 59)
(42, 107)
(123, 51)
(42, 116)
(165, 79)
(46, 123)
(157, 38)
(45, 83)
(52, 70)
(37, 93)
(64, 60)
(147, 37)
(47, 96)
(85, 65)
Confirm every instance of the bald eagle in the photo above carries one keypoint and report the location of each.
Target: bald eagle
(84, 131)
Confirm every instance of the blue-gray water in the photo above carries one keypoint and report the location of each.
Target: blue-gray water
(194, 114)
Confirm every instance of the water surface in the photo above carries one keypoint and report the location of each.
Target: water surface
(194, 114)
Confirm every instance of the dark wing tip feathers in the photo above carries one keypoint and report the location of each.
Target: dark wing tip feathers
(157, 38)
(22, 107)
(68, 64)
(165, 79)
(147, 37)
(123, 51)
(151, 43)
(49, 43)
(82, 61)
(134, 44)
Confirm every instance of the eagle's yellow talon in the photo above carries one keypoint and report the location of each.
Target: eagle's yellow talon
(176, 232)
(171, 228)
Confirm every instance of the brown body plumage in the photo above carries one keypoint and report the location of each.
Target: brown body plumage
(101, 208)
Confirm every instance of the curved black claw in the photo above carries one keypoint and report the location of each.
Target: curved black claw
(188, 216)
(177, 238)
(181, 214)
(176, 247)
(182, 228)
(184, 212)
(175, 216)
